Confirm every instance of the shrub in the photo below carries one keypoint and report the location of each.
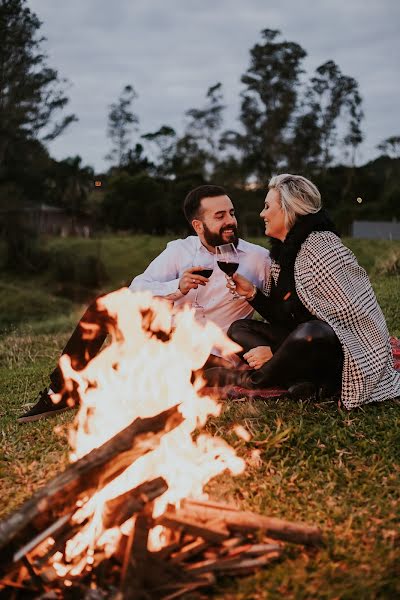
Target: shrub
(390, 265)
(77, 276)
(19, 304)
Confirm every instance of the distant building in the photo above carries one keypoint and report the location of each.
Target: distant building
(376, 230)
(50, 220)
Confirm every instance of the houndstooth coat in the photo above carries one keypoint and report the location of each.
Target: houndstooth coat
(333, 287)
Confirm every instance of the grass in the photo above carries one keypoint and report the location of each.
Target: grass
(317, 463)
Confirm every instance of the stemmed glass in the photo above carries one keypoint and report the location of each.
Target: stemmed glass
(228, 261)
(205, 269)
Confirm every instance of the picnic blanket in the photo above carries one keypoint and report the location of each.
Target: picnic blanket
(276, 392)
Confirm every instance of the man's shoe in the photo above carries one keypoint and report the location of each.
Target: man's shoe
(44, 408)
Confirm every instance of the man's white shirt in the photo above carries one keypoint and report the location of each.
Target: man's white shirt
(163, 274)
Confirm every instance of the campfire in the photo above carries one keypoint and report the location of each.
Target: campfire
(129, 517)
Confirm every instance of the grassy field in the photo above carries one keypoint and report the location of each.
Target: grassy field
(318, 464)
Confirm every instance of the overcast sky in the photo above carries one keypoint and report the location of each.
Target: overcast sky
(171, 51)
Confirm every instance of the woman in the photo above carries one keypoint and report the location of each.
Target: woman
(323, 325)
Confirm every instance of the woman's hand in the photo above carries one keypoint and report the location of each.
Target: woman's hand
(257, 357)
(244, 287)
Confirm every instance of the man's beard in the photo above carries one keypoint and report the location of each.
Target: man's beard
(216, 239)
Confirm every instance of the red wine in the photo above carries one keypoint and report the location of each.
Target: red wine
(228, 267)
(204, 272)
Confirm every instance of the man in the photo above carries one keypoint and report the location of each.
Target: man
(173, 276)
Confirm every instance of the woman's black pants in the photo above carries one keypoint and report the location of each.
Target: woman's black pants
(311, 352)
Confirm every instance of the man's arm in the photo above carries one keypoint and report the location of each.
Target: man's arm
(162, 275)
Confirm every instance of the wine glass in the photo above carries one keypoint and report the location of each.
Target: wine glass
(228, 261)
(205, 269)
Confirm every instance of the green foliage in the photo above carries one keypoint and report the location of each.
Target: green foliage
(376, 183)
(123, 256)
(134, 202)
(75, 275)
(390, 146)
(121, 123)
(268, 103)
(290, 125)
(69, 184)
(389, 265)
(20, 303)
(30, 92)
(164, 140)
(329, 94)
(23, 249)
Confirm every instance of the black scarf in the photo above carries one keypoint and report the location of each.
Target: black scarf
(285, 252)
(289, 309)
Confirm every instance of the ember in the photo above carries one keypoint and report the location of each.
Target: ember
(129, 518)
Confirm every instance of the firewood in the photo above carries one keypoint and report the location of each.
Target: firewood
(135, 570)
(228, 545)
(168, 550)
(255, 549)
(186, 588)
(232, 564)
(82, 478)
(18, 586)
(121, 508)
(213, 530)
(56, 527)
(249, 565)
(190, 550)
(181, 588)
(245, 521)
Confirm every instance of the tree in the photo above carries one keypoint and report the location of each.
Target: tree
(134, 203)
(31, 93)
(204, 125)
(71, 183)
(31, 98)
(268, 104)
(390, 146)
(195, 152)
(121, 123)
(137, 162)
(165, 141)
(304, 151)
(330, 95)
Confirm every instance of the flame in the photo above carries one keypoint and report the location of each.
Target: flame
(145, 370)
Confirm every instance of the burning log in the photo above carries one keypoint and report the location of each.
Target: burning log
(81, 479)
(135, 570)
(118, 510)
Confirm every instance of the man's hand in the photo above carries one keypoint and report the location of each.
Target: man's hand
(257, 357)
(190, 281)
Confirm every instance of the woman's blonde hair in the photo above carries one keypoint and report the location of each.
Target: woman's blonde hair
(298, 196)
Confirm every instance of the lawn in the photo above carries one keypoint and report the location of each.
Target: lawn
(319, 464)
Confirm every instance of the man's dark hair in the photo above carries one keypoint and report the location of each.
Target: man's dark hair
(191, 204)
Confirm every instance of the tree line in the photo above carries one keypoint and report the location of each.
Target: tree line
(288, 122)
